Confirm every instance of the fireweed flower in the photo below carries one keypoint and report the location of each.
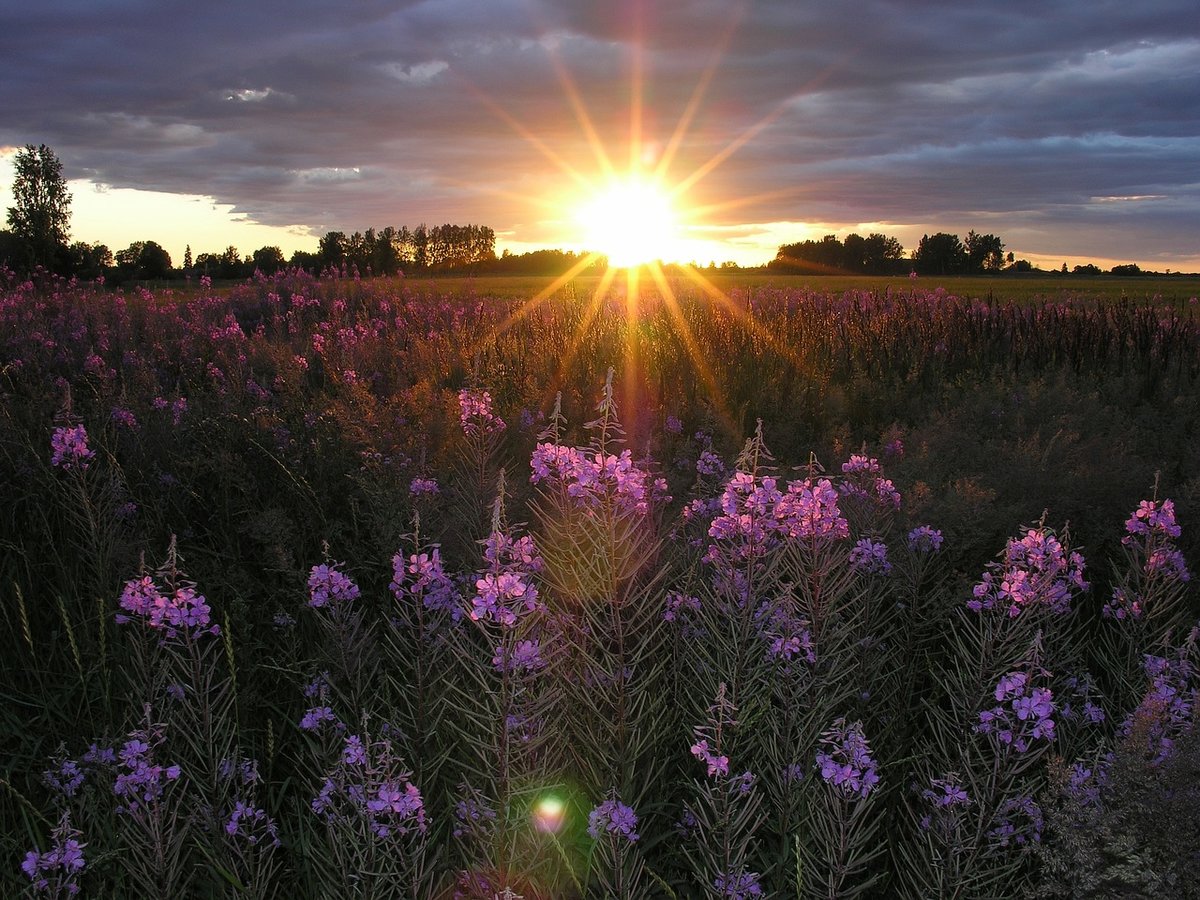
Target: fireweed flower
(738, 886)
(924, 539)
(1152, 528)
(1018, 823)
(785, 634)
(809, 511)
(65, 778)
(56, 872)
(142, 782)
(870, 557)
(1165, 712)
(1023, 713)
(313, 718)
(845, 762)
(1035, 571)
(70, 449)
(593, 479)
(475, 414)
(864, 479)
(524, 657)
(677, 603)
(472, 816)
(252, 825)
(422, 577)
(615, 818)
(502, 598)
(424, 487)
(717, 765)
(326, 584)
(397, 809)
(174, 613)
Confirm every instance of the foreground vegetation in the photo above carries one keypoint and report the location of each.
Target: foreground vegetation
(340, 587)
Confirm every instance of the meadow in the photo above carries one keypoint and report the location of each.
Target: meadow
(761, 587)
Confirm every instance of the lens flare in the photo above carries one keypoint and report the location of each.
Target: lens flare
(549, 813)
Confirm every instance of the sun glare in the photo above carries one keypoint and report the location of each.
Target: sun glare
(631, 222)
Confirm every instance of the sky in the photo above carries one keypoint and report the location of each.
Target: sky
(1070, 128)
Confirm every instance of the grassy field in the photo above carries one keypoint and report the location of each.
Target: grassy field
(343, 587)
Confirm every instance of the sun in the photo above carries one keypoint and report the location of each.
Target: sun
(632, 222)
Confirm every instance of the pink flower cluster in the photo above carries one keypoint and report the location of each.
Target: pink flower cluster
(717, 764)
(326, 584)
(864, 478)
(70, 449)
(475, 414)
(1034, 571)
(592, 478)
(182, 611)
(755, 515)
(429, 583)
(1155, 523)
(506, 590)
(845, 762)
(1023, 713)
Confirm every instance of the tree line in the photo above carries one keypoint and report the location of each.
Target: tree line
(39, 228)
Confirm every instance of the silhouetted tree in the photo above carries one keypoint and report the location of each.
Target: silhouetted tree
(88, 260)
(940, 254)
(985, 252)
(332, 250)
(41, 216)
(268, 260)
(143, 260)
(1129, 269)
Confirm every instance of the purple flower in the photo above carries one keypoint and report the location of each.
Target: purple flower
(251, 825)
(717, 765)
(845, 762)
(738, 886)
(1023, 713)
(70, 448)
(522, 658)
(327, 584)
(1035, 571)
(314, 717)
(615, 818)
(475, 414)
(424, 486)
(870, 557)
(924, 539)
(56, 871)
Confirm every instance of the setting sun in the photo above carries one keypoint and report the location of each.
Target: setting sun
(631, 222)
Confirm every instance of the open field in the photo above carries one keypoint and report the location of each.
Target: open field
(791, 587)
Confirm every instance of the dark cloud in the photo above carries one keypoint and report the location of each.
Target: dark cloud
(1030, 117)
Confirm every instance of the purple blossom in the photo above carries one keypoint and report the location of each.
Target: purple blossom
(66, 778)
(738, 886)
(475, 414)
(56, 872)
(313, 718)
(677, 603)
(502, 597)
(717, 764)
(593, 479)
(70, 448)
(1035, 571)
(870, 557)
(615, 818)
(182, 611)
(523, 657)
(473, 816)
(424, 487)
(422, 576)
(143, 781)
(327, 584)
(1023, 713)
(1018, 823)
(845, 762)
(924, 539)
(252, 825)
